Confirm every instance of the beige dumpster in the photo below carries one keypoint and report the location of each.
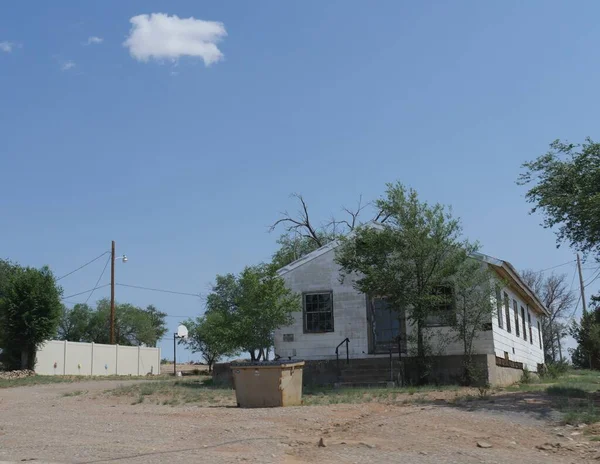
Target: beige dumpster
(268, 384)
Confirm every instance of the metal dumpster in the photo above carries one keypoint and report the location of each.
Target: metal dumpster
(268, 384)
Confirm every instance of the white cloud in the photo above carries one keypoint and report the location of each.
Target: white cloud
(6, 46)
(159, 36)
(67, 65)
(94, 40)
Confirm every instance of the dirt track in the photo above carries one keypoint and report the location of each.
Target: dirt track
(41, 423)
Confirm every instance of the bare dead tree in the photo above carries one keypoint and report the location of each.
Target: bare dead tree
(557, 296)
(300, 224)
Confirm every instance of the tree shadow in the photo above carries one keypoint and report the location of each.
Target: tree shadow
(555, 404)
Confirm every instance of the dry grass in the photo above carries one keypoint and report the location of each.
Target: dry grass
(175, 392)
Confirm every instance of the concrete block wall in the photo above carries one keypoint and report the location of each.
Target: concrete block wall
(74, 358)
(321, 274)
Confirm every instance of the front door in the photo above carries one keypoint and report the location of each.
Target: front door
(387, 325)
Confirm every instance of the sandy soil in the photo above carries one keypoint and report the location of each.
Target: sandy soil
(42, 423)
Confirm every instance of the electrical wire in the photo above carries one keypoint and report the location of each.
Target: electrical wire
(84, 265)
(554, 267)
(197, 295)
(593, 280)
(85, 291)
(98, 281)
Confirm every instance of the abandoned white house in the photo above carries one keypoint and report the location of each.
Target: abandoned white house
(333, 311)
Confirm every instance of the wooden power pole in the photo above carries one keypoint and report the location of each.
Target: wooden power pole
(581, 287)
(112, 293)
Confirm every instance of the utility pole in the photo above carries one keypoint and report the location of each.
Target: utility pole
(581, 287)
(112, 293)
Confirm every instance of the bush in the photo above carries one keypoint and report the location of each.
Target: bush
(526, 378)
(164, 361)
(555, 370)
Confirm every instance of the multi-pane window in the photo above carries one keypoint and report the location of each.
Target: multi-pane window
(530, 331)
(507, 311)
(516, 311)
(499, 307)
(443, 313)
(539, 334)
(318, 312)
(524, 323)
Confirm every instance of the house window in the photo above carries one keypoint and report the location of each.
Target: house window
(516, 310)
(539, 334)
(318, 312)
(524, 323)
(530, 331)
(499, 307)
(443, 312)
(507, 311)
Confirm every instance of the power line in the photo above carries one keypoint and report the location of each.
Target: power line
(593, 280)
(98, 281)
(84, 265)
(85, 291)
(554, 267)
(197, 295)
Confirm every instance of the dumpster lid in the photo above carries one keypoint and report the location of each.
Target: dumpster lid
(279, 362)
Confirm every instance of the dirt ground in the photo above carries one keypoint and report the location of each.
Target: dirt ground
(81, 423)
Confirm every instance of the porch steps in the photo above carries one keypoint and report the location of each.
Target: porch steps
(361, 373)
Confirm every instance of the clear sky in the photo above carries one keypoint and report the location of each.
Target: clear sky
(182, 140)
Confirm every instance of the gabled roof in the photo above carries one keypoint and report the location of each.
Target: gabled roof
(309, 257)
(503, 268)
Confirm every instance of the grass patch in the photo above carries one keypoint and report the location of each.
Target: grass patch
(574, 394)
(175, 392)
(355, 395)
(51, 379)
(75, 393)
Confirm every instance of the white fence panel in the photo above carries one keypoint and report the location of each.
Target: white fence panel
(74, 358)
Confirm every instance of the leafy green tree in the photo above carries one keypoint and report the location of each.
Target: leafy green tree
(565, 188)
(251, 306)
(408, 258)
(210, 336)
(74, 323)
(474, 310)
(133, 326)
(30, 309)
(158, 323)
(587, 335)
(293, 247)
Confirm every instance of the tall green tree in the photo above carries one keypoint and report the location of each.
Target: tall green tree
(210, 336)
(587, 335)
(74, 323)
(473, 290)
(134, 326)
(564, 185)
(30, 309)
(251, 306)
(408, 258)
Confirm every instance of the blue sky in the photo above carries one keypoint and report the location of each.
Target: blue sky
(185, 165)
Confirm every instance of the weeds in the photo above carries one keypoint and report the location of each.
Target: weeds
(526, 378)
(75, 393)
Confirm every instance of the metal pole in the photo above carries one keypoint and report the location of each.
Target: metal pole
(175, 354)
(581, 287)
(112, 294)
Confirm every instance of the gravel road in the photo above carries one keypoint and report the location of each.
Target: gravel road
(79, 423)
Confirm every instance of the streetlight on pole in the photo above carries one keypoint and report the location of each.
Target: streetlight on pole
(112, 290)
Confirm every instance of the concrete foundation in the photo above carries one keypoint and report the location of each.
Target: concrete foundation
(442, 370)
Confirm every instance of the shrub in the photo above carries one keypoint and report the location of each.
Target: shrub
(526, 378)
(555, 370)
